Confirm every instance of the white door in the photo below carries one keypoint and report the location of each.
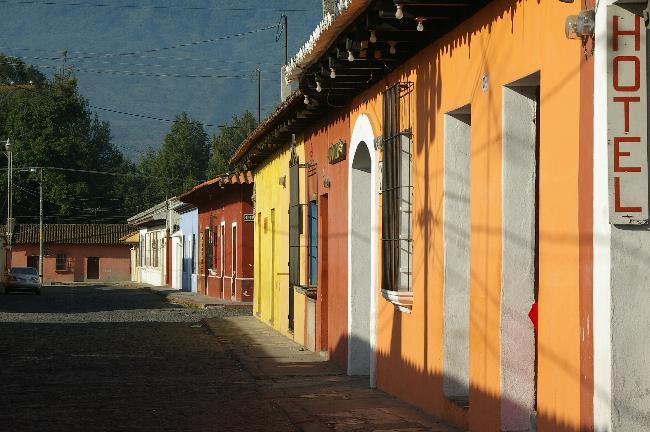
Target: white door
(177, 262)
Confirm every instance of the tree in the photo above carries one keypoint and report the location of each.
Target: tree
(16, 71)
(228, 141)
(50, 125)
(179, 165)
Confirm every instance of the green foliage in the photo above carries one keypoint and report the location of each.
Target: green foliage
(50, 125)
(179, 165)
(16, 71)
(229, 139)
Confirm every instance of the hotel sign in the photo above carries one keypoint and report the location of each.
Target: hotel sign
(627, 114)
(336, 152)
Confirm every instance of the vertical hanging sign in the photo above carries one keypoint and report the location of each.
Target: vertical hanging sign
(627, 115)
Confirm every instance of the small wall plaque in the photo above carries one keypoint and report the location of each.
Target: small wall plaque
(249, 217)
(336, 152)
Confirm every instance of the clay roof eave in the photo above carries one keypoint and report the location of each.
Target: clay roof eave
(263, 128)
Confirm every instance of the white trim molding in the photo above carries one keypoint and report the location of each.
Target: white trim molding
(362, 134)
(403, 300)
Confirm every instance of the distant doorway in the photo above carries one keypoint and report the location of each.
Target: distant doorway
(92, 268)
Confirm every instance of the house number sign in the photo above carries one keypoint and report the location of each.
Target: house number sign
(627, 107)
(249, 217)
(336, 152)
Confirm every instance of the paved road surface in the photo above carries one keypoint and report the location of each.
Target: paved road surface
(104, 358)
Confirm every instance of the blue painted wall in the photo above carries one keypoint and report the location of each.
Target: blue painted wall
(189, 226)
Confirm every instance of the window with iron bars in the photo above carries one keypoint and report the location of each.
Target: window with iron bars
(397, 195)
(61, 262)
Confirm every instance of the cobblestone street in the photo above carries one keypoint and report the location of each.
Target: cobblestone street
(105, 358)
(111, 358)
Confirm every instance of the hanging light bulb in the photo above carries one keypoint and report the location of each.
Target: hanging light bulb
(318, 87)
(350, 56)
(306, 100)
(332, 73)
(399, 13)
(420, 26)
(393, 49)
(373, 36)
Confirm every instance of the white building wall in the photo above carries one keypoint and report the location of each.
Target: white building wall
(621, 275)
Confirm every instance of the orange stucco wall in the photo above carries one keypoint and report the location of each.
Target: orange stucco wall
(114, 261)
(332, 302)
(507, 40)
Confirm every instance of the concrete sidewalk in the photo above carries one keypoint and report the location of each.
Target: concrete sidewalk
(195, 300)
(314, 393)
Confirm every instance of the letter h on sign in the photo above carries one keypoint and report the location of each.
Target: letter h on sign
(627, 131)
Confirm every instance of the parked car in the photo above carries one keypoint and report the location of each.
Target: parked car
(23, 279)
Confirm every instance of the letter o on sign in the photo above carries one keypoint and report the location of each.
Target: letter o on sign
(637, 73)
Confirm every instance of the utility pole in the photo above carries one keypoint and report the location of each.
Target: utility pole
(10, 219)
(286, 39)
(259, 96)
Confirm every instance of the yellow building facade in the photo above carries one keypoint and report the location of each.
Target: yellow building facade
(271, 298)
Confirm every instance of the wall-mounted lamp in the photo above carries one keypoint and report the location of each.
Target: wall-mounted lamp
(327, 183)
(581, 26)
(373, 36)
(350, 56)
(306, 100)
(283, 181)
(332, 73)
(393, 47)
(318, 87)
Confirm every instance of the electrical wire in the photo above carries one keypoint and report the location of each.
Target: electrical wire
(148, 65)
(180, 45)
(114, 111)
(90, 55)
(184, 59)
(141, 73)
(136, 6)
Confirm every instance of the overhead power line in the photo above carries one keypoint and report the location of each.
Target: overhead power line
(184, 59)
(180, 45)
(90, 55)
(148, 117)
(141, 73)
(148, 65)
(155, 7)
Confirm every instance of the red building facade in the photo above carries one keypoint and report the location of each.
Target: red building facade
(225, 240)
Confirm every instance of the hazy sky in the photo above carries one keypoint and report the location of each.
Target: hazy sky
(127, 57)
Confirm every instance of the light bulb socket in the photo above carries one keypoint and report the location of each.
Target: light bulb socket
(399, 13)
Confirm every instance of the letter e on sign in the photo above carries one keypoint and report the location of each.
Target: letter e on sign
(627, 114)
